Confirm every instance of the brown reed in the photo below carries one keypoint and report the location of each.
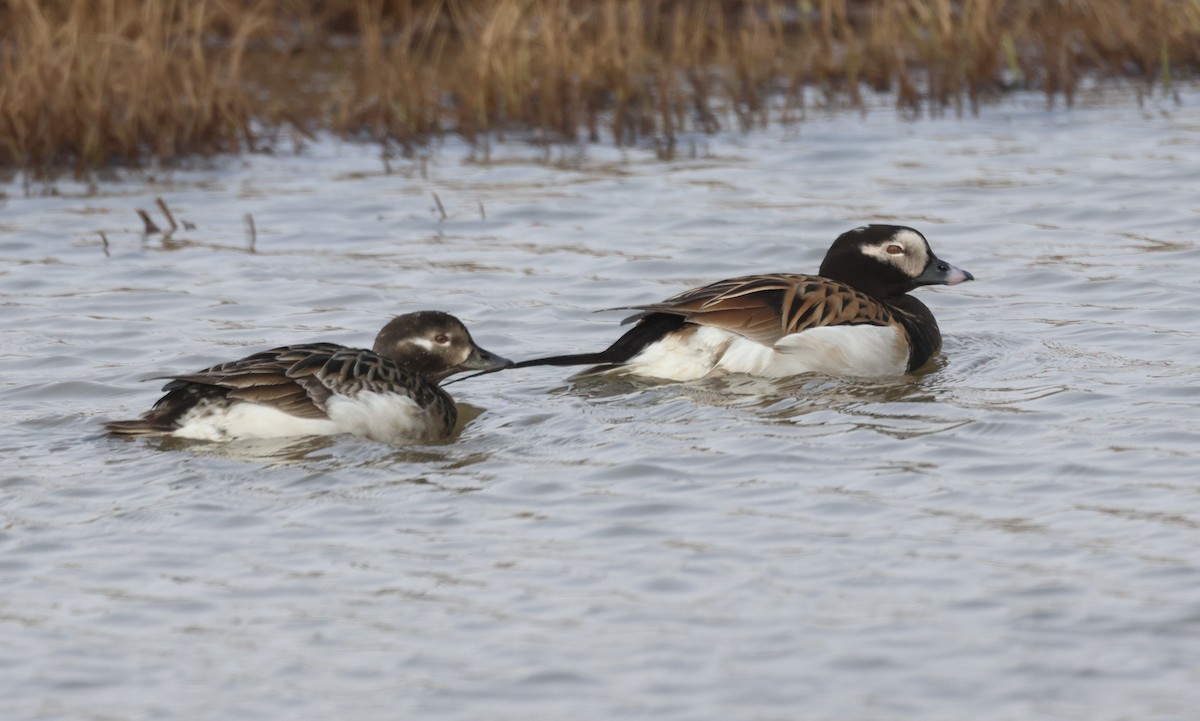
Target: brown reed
(88, 84)
(91, 83)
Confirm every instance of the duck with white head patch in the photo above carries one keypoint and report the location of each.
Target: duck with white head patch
(389, 394)
(855, 318)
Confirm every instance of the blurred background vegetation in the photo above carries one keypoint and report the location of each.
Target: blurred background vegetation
(91, 84)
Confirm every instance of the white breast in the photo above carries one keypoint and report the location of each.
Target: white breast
(860, 350)
(385, 417)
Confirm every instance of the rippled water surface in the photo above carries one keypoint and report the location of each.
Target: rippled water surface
(1013, 534)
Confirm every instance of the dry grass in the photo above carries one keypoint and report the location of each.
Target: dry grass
(109, 81)
(86, 84)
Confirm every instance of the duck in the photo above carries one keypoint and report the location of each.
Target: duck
(854, 318)
(390, 393)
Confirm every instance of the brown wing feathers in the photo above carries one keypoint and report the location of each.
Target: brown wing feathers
(763, 308)
(295, 379)
(279, 378)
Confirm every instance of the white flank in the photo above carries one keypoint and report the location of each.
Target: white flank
(837, 350)
(248, 420)
(859, 350)
(681, 356)
(386, 417)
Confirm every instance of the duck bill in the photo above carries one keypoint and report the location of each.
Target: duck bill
(939, 272)
(483, 360)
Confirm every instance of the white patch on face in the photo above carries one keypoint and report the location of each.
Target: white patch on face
(913, 255)
(453, 352)
(463, 351)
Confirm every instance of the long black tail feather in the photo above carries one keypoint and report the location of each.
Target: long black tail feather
(571, 359)
(649, 329)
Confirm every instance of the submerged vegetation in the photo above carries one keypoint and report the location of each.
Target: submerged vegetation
(87, 84)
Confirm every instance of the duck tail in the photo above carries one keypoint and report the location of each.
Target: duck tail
(651, 328)
(138, 427)
(163, 418)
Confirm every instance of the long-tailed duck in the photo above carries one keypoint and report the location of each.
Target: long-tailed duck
(389, 393)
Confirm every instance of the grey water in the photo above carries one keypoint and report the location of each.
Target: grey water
(1013, 533)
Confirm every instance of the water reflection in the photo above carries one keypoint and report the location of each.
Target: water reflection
(266, 451)
(901, 407)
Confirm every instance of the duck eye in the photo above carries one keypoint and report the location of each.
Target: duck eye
(442, 338)
(895, 250)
